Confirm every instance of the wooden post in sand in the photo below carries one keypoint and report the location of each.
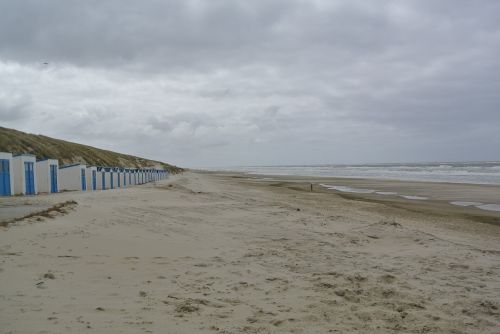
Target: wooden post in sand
(311, 187)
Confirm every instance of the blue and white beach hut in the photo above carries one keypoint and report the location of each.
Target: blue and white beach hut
(24, 168)
(73, 177)
(6, 174)
(47, 178)
(91, 176)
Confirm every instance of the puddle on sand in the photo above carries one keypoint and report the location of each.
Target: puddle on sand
(386, 193)
(462, 203)
(348, 189)
(489, 207)
(479, 205)
(418, 198)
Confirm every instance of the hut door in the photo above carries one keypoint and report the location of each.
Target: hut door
(94, 180)
(29, 178)
(84, 181)
(53, 178)
(4, 177)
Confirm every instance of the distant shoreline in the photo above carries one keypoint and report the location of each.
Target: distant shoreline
(444, 172)
(440, 196)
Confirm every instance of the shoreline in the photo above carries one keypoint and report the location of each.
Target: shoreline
(443, 193)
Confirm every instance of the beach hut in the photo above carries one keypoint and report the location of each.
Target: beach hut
(128, 172)
(91, 176)
(101, 178)
(6, 174)
(109, 178)
(134, 176)
(122, 177)
(24, 172)
(138, 176)
(125, 177)
(118, 177)
(47, 176)
(73, 177)
(115, 178)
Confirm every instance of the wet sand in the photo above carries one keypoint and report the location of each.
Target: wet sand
(229, 253)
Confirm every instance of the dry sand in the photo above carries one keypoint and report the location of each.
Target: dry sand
(221, 253)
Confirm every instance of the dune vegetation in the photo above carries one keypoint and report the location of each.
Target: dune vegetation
(67, 152)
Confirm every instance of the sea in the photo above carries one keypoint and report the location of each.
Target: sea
(454, 172)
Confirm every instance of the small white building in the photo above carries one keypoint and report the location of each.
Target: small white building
(118, 179)
(91, 176)
(114, 178)
(101, 178)
(134, 176)
(143, 176)
(128, 176)
(122, 182)
(47, 176)
(73, 177)
(108, 177)
(24, 172)
(137, 176)
(6, 174)
(125, 177)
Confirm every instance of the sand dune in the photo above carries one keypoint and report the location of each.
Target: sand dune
(217, 253)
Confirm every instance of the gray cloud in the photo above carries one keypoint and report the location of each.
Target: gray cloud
(261, 82)
(14, 106)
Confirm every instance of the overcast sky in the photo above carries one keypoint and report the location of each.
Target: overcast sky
(224, 83)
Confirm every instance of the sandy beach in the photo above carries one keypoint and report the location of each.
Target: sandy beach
(230, 253)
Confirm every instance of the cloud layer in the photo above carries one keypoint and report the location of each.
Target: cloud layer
(217, 83)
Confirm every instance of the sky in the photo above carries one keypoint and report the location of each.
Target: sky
(263, 82)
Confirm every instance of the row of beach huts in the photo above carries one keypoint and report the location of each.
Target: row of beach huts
(24, 175)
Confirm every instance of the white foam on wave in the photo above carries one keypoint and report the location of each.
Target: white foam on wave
(489, 207)
(418, 198)
(465, 203)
